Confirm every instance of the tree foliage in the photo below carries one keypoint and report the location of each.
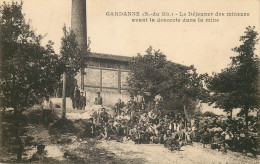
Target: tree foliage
(72, 57)
(247, 72)
(145, 75)
(29, 70)
(237, 86)
(222, 87)
(178, 84)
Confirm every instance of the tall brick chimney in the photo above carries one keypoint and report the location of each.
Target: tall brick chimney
(79, 21)
(78, 24)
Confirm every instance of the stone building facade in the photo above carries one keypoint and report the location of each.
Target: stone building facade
(107, 74)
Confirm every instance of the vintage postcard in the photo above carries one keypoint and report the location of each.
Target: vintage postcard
(129, 81)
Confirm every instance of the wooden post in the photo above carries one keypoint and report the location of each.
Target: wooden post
(1, 69)
(64, 96)
(82, 78)
(100, 77)
(119, 79)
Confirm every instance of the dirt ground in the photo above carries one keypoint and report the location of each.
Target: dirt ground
(70, 149)
(155, 153)
(103, 151)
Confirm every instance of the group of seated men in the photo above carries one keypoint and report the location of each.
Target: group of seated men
(172, 130)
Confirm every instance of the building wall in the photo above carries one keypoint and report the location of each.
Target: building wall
(109, 96)
(92, 77)
(110, 78)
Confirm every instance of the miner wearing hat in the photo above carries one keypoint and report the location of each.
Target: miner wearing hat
(76, 95)
(82, 102)
(98, 99)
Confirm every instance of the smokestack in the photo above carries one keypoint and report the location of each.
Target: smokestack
(78, 24)
(79, 21)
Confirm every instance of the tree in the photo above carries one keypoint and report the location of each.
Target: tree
(182, 86)
(223, 90)
(179, 85)
(247, 72)
(237, 86)
(29, 70)
(73, 59)
(145, 75)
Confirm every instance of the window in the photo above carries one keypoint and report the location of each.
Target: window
(93, 64)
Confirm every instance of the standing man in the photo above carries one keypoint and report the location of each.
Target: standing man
(82, 101)
(76, 95)
(132, 105)
(47, 110)
(141, 100)
(98, 99)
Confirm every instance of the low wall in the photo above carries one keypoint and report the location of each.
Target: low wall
(109, 96)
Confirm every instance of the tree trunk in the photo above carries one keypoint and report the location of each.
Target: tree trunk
(231, 113)
(64, 96)
(19, 146)
(246, 116)
(186, 116)
(19, 150)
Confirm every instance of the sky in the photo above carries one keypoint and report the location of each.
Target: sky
(205, 45)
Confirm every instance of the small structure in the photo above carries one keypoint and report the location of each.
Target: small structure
(107, 74)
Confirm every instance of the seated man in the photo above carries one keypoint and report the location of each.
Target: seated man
(217, 142)
(195, 135)
(119, 130)
(104, 116)
(118, 107)
(205, 135)
(176, 142)
(90, 129)
(98, 99)
(167, 138)
(134, 134)
(144, 118)
(228, 138)
(141, 131)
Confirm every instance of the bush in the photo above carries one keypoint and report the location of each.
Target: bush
(63, 126)
(209, 114)
(34, 116)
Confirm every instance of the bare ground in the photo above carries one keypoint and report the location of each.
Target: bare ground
(155, 153)
(103, 151)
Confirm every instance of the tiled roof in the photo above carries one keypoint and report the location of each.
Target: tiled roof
(118, 58)
(109, 57)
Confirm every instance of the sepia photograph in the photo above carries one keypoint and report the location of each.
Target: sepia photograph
(130, 81)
